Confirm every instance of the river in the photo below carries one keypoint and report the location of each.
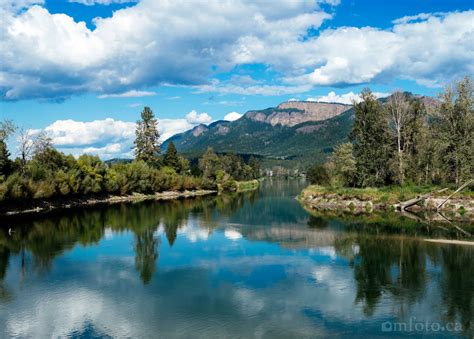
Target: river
(251, 265)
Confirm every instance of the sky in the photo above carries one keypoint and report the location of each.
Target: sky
(82, 70)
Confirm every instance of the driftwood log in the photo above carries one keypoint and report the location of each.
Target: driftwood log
(403, 205)
(456, 191)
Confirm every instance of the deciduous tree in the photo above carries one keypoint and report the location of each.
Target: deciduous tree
(398, 109)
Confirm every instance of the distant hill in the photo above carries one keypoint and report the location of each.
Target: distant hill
(291, 133)
(295, 133)
(118, 161)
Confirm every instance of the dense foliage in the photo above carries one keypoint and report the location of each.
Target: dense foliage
(401, 141)
(226, 169)
(318, 175)
(49, 173)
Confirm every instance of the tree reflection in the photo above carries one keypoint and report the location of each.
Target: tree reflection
(397, 267)
(45, 237)
(4, 260)
(457, 286)
(386, 259)
(372, 271)
(317, 222)
(146, 254)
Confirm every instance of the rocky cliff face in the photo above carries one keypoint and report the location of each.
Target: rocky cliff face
(296, 112)
(200, 129)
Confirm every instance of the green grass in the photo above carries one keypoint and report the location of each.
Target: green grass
(247, 185)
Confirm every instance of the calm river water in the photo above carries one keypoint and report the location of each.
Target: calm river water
(248, 265)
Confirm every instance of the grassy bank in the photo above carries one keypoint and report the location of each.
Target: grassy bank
(358, 200)
(250, 185)
(385, 195)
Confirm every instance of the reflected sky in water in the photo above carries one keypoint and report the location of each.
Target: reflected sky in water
(248, 265)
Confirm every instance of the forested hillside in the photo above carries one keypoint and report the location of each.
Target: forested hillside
(273, 134)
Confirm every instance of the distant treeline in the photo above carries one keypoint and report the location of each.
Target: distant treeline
(42, 172)
(406, 140)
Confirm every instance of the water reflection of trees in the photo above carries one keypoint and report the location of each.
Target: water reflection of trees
(4, 261)
(146, 254)
(457, 285)
(46, 237)
(397, 267)
(385, 262)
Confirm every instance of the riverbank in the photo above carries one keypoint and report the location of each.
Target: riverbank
(358, 200)
(44, 206)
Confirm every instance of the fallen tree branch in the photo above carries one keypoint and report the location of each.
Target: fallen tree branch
(448, 241)
(402, 206)
(456, 191)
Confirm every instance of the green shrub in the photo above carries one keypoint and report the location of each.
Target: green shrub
(61, 183)
(17, 187)
(3, 191)
(318, 175)
(230, 185)
(43, 189)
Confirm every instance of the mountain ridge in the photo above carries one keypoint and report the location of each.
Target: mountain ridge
(296, 132)
(293, 134)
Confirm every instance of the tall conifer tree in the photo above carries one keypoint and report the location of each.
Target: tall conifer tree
(147, 140)
(370, 138)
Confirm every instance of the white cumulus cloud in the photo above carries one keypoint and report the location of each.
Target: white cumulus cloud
(110, 138)
(232, 116)
(196, 118)
(79, 133)
(48, 55)
(109, 149)
(346, 98)
(154, 43)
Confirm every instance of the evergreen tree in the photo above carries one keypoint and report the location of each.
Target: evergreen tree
(255, 165)
(455, 127)
(5, 162)
(171, 158)
(370, 139)
(147, 143)
(6, 129)
(418, 146)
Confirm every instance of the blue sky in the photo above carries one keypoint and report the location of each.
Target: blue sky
(83, 69)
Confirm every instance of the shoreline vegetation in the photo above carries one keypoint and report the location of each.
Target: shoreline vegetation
(440, 226)
(44, 206)
(403, 154)
(367, 200)
(42, 178)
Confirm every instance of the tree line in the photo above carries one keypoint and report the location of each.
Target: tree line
(402, 140)
(42, 172)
